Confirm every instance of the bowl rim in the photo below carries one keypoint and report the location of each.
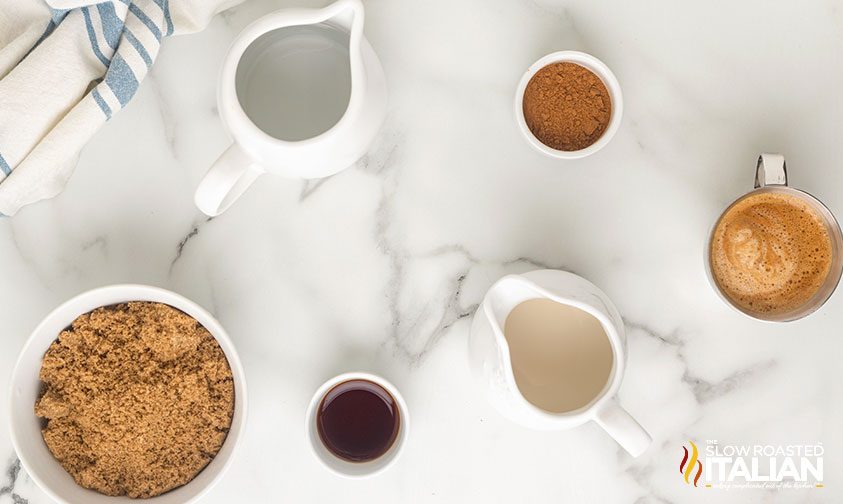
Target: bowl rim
(122, 293)
(603, 72)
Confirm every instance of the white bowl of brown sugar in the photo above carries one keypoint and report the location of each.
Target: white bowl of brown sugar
(127, 392)
(568, 105)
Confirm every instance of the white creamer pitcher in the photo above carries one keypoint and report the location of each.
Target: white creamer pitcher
(491, 364)
(302, 94)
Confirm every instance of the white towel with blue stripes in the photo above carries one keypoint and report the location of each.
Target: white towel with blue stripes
(66, 67)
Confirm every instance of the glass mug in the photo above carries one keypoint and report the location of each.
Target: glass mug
(771, 177)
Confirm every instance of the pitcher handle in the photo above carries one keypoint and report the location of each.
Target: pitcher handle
(771, 170)
(619, 424)
(227, 179)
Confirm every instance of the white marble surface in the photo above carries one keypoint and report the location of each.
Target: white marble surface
(379, 268)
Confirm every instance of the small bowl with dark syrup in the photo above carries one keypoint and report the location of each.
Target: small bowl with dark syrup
(357, 424)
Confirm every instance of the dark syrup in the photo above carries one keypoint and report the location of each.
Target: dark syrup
(358, 420)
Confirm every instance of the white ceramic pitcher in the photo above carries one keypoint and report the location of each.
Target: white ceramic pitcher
(257, 150)
(491, 364)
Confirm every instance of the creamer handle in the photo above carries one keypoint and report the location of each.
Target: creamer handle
(227, 179)
(619, 424)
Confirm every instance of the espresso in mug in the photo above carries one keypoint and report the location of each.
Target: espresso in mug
(771, 252)
(358, 420)
(561, 355)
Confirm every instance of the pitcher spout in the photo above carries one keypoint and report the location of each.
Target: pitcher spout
(506, 294)
(347, 14)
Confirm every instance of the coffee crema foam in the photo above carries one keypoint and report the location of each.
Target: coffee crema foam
(770, 253)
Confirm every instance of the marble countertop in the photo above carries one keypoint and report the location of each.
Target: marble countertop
(381, 267)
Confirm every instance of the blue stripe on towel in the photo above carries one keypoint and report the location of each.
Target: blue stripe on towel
(134, 9)
(165, 6)
(101, 102)
(112, 25)
(121, 80)
(93, 37)
(138, 47)
(4, 167)
(58, 14)
(50, 27)
(168, 17)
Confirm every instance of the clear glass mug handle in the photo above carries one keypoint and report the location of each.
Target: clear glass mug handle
(771, 170)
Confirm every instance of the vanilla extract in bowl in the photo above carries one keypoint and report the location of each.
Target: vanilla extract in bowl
(358, 420)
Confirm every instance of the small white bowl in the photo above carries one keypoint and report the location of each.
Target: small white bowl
(602, 71)
(356, 469)
(37, 460)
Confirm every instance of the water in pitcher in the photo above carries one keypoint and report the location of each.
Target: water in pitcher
(294, 83)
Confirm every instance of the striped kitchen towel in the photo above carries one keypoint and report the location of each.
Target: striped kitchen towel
(66, 67)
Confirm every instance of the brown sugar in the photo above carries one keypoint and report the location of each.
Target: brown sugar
(138, 398)
(567, 106)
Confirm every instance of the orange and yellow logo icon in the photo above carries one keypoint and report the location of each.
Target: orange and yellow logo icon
(686, 467)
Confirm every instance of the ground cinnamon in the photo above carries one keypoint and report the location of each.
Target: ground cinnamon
(566, 106)
(137, 399)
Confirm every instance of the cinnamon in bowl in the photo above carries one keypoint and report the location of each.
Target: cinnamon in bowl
(566, 106)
